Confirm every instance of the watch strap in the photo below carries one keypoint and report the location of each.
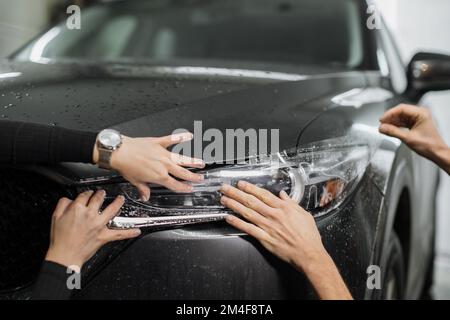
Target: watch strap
(104, 158)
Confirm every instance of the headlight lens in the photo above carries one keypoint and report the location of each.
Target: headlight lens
(319, 177)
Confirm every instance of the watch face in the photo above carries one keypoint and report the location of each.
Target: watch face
(110, 138)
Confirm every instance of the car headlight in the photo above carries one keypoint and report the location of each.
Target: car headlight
(319, 177)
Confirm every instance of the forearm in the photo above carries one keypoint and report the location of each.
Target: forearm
(28, 143)
(326, 279)
(442, 158)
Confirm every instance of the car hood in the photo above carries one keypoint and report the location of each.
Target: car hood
(156, 100)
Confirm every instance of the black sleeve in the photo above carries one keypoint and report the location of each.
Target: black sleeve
(28, 143)
(52, 283)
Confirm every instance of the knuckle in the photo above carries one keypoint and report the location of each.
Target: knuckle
(266, 239)
(162, 175)
(246, 214)
(78, 206)
(272, 213)
(232, 192)
(284, 206)
(63, 200)
(247, 187)
(167, 161)
(248, 202)
(185, 188)
(271, 235)
(266, 198)
(120, 235)
(405, 106)
(191, 175)
(165, 178)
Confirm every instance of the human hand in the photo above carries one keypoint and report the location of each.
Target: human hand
(288, 231)
(280, 224)
(78, 230)
(146, 160)
(422, 136)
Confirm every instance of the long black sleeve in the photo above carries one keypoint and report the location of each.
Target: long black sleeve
(28, 143)
(52, 283)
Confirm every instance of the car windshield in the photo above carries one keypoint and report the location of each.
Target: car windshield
(316, 32)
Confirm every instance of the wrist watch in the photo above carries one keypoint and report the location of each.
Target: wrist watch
(108, 141)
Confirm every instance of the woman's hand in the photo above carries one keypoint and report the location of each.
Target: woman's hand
(422, 136)
(146, 160)
(78, 230)
(288, 231)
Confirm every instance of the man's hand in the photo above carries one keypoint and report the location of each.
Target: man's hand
(422, 136)
(146, 160)
(286, 230)
(78, 230)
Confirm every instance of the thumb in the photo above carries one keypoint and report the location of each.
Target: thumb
(393, 131)
(144, 191)
(109, 235)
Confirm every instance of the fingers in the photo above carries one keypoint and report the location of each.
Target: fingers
(246, 199)
(247, 228)
(247, 213)
(96, 201)
(187, 161)
(185, 174)
(402, 115)
(61, 207)
(262, 194)
(115, 235)
(173, 139)
(175, 185)
(144, 191)
(113, 209)
(284, 196)
(83, 198)
(393, 131)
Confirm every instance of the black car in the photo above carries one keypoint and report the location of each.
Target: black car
(313, 69)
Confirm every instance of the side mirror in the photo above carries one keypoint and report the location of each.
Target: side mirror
(428, 72)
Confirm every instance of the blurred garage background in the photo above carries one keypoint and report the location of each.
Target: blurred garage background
(415, 24)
